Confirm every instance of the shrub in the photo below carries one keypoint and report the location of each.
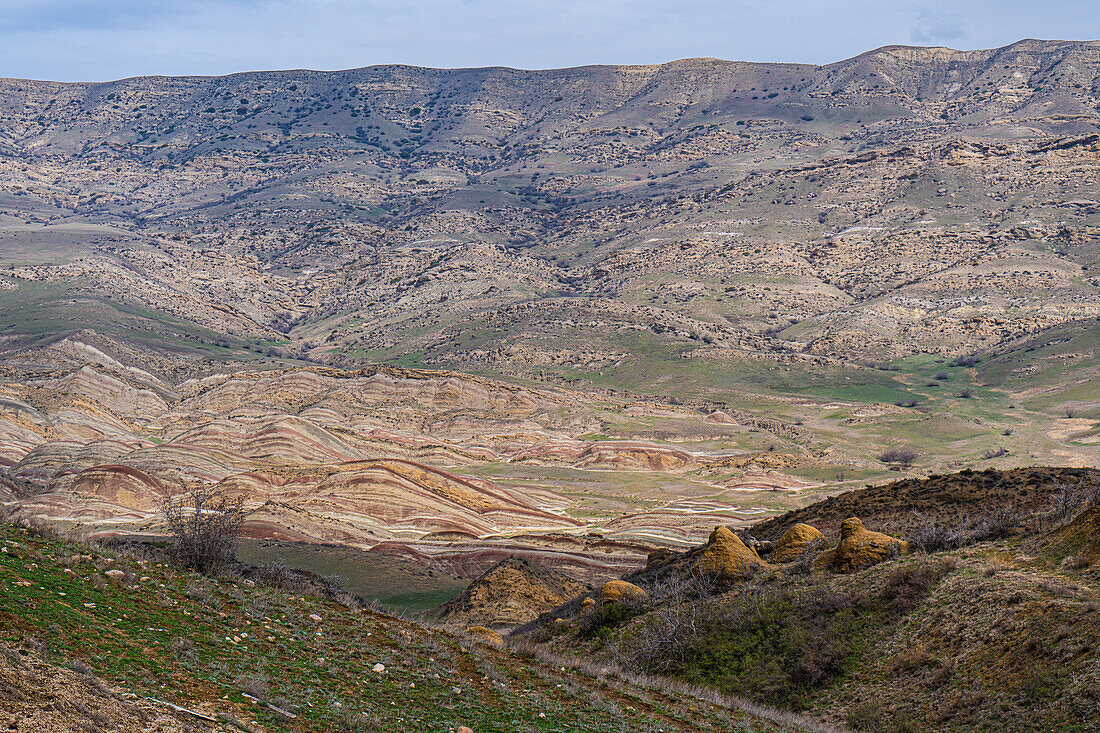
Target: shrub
(866, 716)
(1069, 500)
(931, 536)
(204, 528)
(277, 574)
(903, 456)
(769, 641)
(996, 524)
(804, 563)
(607, 616)
(908, 586)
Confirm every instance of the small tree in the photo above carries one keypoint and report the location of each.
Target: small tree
(204, 526)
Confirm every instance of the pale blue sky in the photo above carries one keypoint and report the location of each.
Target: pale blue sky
(109, 39)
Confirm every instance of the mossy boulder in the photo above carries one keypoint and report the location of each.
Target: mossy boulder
(726, 556)
(485, 635)
(794, 542)
(616, 591)
(858, 548)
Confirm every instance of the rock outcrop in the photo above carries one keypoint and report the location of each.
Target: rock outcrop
(794, 542)
(858, 548)
(727, 557)
(616, 591)
(509, 594)
(485, 635)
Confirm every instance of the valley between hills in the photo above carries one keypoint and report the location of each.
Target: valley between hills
(466, 336)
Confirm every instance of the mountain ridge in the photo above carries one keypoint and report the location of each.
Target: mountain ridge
(893, 47)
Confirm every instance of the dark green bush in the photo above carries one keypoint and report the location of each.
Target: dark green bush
(771, 643)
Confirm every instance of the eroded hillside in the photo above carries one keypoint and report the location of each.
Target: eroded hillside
(571, 223)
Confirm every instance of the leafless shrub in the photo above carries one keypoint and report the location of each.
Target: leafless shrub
(334, 583)
(932, 536)
(1064, 504)
(966, 393)
(866, 716)
(202, 592)
(204, 528)
(372, 604)
(804, 563)
(79, 665)
(335, 587)
(661, 640)
(680, 588)
(995, 524)
(522, 646)
(183, 646)
(278, 574)
(902, 456)
(255, 685)
(942, 675)
(1071, 499)
(1075, 562)
(911, 658)
(995, 453)
(362, 723)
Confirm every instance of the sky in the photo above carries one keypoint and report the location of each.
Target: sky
(98, 40)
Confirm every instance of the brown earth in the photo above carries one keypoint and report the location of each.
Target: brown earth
(726, 556)
(616, 591)
(36, 696)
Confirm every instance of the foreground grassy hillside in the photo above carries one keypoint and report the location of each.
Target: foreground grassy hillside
(235, 651)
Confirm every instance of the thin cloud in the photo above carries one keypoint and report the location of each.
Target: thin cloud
(935, 26)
